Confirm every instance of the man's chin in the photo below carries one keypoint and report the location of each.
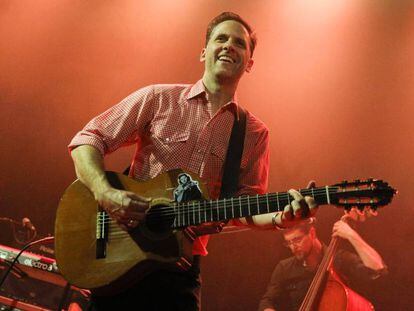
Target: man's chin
(227, 75)
(299, 256)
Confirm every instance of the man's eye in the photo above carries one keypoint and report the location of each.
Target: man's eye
(241, 44)
(221, 38)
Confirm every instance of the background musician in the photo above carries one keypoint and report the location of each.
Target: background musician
(291, 277)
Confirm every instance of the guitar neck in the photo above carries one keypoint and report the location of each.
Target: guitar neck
(198, 212)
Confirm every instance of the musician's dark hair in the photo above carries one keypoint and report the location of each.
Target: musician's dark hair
(183, 174)
(305, 226)
(230, 16)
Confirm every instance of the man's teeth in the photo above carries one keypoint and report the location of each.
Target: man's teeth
(226, 59)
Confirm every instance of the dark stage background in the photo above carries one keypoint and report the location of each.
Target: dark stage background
(333, 80)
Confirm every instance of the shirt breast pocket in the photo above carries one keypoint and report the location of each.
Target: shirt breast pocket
(218, 152)
(169, 145)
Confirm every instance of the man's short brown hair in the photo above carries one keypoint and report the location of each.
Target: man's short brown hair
(230, 16)
(304, 226)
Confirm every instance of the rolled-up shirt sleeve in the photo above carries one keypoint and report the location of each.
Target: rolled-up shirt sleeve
(120, 125)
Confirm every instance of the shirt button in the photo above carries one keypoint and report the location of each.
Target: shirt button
(167, 139)
(200, 150)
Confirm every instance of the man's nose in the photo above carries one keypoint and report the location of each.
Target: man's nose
(228, 45)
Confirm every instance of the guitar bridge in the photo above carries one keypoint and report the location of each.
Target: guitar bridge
(102, 225)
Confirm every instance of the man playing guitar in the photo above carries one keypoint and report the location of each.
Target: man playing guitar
(188, 127)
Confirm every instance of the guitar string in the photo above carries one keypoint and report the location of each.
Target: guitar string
(106, 217)
(116, 230)
(185, 208)
(187, 212)
(193, 212)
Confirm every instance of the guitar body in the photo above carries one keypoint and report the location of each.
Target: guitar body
(128, 257)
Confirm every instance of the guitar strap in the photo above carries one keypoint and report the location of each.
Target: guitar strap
(231, 168)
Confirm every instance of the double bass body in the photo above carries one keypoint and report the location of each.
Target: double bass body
(336, 296)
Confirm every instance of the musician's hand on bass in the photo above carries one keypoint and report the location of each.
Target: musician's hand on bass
(343, 230)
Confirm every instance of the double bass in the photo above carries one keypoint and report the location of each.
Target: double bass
(328, 292)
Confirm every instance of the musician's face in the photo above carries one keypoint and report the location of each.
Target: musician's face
(227, 54)
(299, 242)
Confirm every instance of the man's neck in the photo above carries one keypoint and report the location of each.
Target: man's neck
(219, 92)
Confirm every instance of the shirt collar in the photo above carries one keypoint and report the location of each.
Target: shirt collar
(198, 88)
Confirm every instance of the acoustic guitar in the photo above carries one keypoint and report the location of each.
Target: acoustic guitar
(93, 252)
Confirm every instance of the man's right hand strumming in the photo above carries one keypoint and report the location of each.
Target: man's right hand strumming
(125, 207)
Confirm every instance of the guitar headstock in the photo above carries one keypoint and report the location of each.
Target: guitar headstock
(370, 193)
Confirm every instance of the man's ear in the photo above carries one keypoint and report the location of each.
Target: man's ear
(249, 65)
(203, 55)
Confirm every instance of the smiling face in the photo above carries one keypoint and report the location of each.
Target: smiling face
(227, 54)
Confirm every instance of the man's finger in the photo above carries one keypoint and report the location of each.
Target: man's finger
(311, 184)
(138, 197)
(311, 202)
(288, 212)
(297, 209)
(295, 194)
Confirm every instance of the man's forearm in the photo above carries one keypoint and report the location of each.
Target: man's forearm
(264, 221)
(89, 168)
(369, 256)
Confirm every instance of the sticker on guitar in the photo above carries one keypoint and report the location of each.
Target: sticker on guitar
(187, 189)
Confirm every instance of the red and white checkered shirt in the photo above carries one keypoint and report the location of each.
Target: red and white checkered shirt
(174, 127)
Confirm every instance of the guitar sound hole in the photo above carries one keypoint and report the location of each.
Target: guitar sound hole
(160, 218)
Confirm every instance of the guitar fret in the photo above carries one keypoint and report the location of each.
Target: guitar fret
(225, 213)
(277, 200)
(232, 208)
(258, 206)
(175, 225)
(193, 214)
(240, 207)
(327, 195)
(211, 210)
(199, 213)
(187, 221)
(267, 202)
(248, 204)
(205, 211)
(218, 213)
(178, 215)
(184, 215)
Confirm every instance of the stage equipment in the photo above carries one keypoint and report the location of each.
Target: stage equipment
(34, 283)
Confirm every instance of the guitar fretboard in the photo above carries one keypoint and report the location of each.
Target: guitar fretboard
(198, 212)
